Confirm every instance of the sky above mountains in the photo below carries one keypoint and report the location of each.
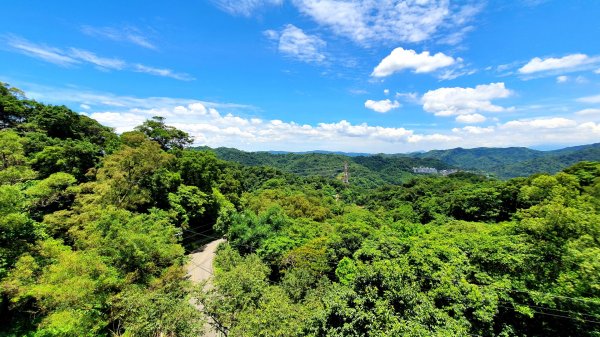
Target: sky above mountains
(362, 76)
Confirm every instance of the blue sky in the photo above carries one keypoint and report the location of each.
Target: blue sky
(364, 76)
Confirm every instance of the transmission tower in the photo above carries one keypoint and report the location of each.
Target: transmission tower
(346, 178)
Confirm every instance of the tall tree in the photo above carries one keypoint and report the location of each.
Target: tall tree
(167, 136)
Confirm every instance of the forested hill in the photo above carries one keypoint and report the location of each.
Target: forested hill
(513, 161)
(95, 230)
(366, 171)
(374, 169)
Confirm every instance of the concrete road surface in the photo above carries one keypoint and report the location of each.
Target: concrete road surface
(200, 268)
(201, 264)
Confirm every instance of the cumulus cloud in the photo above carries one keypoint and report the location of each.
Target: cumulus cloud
(464, 101)
(476, 130)
(556, 131)
(213, 128)
(293, 42)
(244, 7)
(401, 59)
(210, 127)
(569, 62)
(597, 71)
(73, 56)
(367, 21)
(382, 106)
(233, 125)
(127, 34)
(471, 119)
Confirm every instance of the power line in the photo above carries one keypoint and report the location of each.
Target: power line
(588, 300)
(554, 315)
(477, 285)
(553, 309)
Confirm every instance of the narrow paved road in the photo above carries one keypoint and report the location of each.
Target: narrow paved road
(201, 264)
(200, 268)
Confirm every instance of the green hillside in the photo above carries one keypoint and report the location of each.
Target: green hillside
(482, 158)
(513, 161)
(551, 162)
(365, 171)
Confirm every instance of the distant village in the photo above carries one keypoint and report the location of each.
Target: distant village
(433, 170)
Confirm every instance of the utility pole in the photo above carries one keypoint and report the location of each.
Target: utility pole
(346, 178)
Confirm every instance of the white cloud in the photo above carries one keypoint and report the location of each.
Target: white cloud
(546, 131)
(368, 21)
(140, 68)
(358, 91)
(84, 106)
(576, 79)
(102, 62)
(386, 91)
(588, 112)
(122, 34)
(219, 124)
(382, 106)
(244, 7)
(104, 100)
(597, 71)
(400, 59)
(589, 99)
(411, 97)
(293, 42)
(476, 130)
(74, 56)
(210, 127)
(470, 119)
(41, 51)
(542, 123)
(460, 70)
(464, 101)
(591, 128)
(569, 62)
(271, 34)
(456, 37)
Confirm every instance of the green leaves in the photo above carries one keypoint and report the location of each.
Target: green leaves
(167, 136)
(126, 174)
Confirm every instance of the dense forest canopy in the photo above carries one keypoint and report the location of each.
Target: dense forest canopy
(374, 169)
(95, 228)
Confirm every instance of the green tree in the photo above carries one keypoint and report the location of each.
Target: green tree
(123, 180)
(167, 136)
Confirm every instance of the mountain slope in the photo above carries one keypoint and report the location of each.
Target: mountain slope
(481, 158)
(367, 171)
(552, 162)
(514, 161)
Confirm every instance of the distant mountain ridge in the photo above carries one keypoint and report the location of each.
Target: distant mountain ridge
(514, 161)
(503, 163)
(367, 171)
